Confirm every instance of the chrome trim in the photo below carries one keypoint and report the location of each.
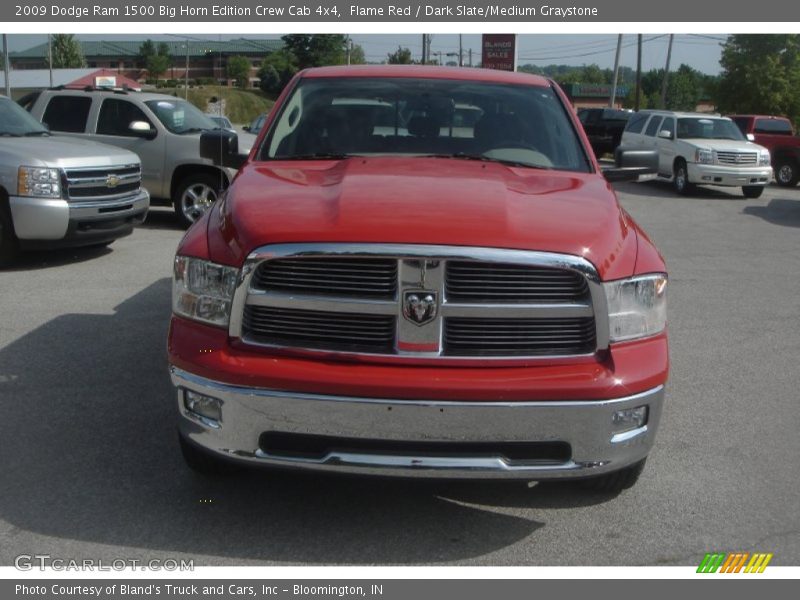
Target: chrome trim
(412, 258)
(69, 181)
(587, 426)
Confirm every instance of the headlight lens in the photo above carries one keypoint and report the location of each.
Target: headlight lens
(637, 307)
(704, 156)
(764, 159)
(39, 182)
(203, 290)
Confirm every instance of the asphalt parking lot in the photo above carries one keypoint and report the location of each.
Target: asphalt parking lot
(91, 465)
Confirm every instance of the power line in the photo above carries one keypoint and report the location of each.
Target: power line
(611, 49)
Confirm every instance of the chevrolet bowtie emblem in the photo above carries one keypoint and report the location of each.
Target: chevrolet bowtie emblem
(112, 181)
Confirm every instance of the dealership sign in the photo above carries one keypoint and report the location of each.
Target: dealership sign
(499, 51)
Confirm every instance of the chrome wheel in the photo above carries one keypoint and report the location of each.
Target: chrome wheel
(680, 179)
(785, 174)
(196, 199)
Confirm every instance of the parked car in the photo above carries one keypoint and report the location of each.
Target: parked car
(222, 122)
(778, 136)
(256, 124)
(413, 302)
(61, 191)
(604, 127)
(700, 149)
(163, 130)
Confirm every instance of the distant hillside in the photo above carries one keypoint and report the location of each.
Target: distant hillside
(241, 106)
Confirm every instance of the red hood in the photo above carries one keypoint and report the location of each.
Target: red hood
(423, 201)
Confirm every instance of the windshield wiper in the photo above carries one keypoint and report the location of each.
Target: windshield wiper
(9, 134)
(484, 158)
(34, 133)
(315, 156)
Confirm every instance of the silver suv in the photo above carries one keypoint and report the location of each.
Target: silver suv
(61, 191)
(163, 130)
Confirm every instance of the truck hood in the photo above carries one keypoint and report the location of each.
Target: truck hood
(724, 145)
(423, 201)
(64, 152)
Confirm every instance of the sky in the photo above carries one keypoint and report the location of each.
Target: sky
(701, 52)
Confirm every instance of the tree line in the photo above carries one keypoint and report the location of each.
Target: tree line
(760, 72)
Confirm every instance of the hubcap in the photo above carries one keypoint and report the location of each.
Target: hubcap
(196, 200)
(785, 173)
(680, 179)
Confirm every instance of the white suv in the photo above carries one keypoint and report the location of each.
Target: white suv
(696, 148)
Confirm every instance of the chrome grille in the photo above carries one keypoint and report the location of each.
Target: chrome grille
(737, 158)
(320, 329)
(481, 282)
(397, 302)
(365, 277)
(110, 183)
(515, 337)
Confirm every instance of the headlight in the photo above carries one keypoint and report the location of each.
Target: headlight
(637, 307)
(704, 157)
(202, 290)
(39, 182)
(764, 159)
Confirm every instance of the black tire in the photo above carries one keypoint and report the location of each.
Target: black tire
(193, 196)
(200, 461)
(787, 173)
(753, 191)
(614, 483)
(9, 247)
(680, 180)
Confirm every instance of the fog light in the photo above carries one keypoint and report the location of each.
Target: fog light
(207, 408)
(629, 418)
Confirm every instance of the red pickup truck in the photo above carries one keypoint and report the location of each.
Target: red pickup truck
(389, 288)
(777, 135)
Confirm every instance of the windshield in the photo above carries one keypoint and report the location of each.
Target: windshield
(180, 116)
(708, 129)
(524, 125)
(16, 121)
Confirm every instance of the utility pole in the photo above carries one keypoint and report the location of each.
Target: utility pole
(7, 65)
(424, 48)
(638, 71)
(613, 98)
(666, 73)
(186, 74)
(460, 52)
(50, 56)
(348, 47)
(470, 57)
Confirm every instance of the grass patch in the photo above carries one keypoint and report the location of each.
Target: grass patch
(241, 106)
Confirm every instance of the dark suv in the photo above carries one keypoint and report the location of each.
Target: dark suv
(604, 127)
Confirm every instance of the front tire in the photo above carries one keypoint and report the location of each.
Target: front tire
(787, 173)
(680, 179)
(9, 248)
(201, 461)
(753, 191)
(193, 196)
(616, 482)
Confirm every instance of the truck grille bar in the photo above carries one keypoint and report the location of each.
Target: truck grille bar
(406, 302)
(737, 158)
(110, 183)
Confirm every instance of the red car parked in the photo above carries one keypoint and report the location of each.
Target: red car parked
(389, 287)
(777, 135)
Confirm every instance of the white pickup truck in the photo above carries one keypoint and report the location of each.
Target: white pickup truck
(58, 191)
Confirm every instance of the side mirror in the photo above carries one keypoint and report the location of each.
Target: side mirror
(665, 134)
(142, 129)
(632, 165)
(221, 147)
(750, 137)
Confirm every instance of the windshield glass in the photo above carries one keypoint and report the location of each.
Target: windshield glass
(16, 121)
(180, 116)
(333, 118)
(708, 129)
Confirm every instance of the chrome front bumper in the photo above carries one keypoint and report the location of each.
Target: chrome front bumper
(728, 175)
(585, 425)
